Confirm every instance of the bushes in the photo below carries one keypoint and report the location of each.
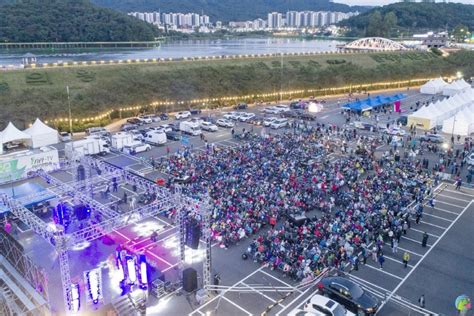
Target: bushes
(336, 61)
(37, 78)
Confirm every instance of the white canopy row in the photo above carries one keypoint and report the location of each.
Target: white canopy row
(462, 123)
(456, 87)
(38, 135)
(433, 86)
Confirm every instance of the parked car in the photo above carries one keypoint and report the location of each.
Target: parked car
(433, 138)
(300, 312)
(96, 131)
(349, 294)
(245, 117)
(166, 128)
(308, 116)
(365, 126)
(324, 306)
(173, 135)
(395, 131)
(65, 136)
(225, 123)
(299, 105)
(146, 119)
(290, 114)
(256, 120)
(135, 121)
(164, 116)
(269, 120)
(279, 123)
(128, 127)
(136, 148)
(207, 126)
(137, 135)
(282, 107)
(195, 111)
(183, 115)
(272, 110)
(241, 106)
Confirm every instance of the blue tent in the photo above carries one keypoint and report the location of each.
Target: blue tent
(372, 102)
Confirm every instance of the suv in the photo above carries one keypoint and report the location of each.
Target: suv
(245, 117)
(323, 306)
(433, 138)
(279, 123)
(135, 121)
(183, 115)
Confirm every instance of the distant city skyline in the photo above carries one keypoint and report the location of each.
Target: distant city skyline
(384, 2)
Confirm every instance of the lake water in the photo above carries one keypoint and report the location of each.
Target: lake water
(179, 49)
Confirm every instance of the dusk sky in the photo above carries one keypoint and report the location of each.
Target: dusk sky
(383, 2)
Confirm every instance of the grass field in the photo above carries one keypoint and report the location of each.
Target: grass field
(26, 94)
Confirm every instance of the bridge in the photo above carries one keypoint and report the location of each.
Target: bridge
(375, 44)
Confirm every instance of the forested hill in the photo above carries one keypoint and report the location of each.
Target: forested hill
(68, 21)
(226, 10)
(412, 17)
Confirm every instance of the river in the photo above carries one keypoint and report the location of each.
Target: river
(178, 49)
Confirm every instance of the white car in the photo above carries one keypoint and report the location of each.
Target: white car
(208, 126)
(279, 123)
(268, 121)
(136, 135)
(145, 119)
(225, 123)
(282, 108)
(136, 148)
(272, 110)
(301, 312)
(470, 159)
(65, 136)
(395, 131)
(245, 117)
(323, 306)
(183, 115)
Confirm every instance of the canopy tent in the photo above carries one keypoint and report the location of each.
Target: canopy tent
(372, 103)
(439, 112)
(433, 86)
(12, 134)
(42, 135)
(456, 87)
(460, 124)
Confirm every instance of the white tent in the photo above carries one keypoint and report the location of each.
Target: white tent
(460, 124)
(42, 135)
(456, 87)
(433, 86)
(12, 134)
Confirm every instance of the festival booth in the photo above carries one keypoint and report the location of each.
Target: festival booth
(372, 103)
(460, 124)
(456, 87)
(42, 135)
(12, 138)
(433, 86)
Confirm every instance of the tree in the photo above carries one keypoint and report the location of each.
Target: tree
(390, 22)
(375, 24)
(461, 33)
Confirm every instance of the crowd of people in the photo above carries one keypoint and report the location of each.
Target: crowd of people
(270, 180)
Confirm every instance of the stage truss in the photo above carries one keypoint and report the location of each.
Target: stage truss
(110, 220)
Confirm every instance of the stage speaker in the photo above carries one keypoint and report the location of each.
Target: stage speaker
(81, 211)
(189, 280)
(81, 173)
(193, 234)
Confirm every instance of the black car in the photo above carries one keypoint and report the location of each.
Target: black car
(164, 116)
(308, 116)
(298, 105)
(290, 114)
(134, 121)
(256, 120)
(173, 135)
(349, 294)
(195, 111)
(241, 106)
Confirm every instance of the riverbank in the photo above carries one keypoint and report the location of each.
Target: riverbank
(97, 92)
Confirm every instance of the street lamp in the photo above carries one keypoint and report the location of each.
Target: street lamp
(459, 75)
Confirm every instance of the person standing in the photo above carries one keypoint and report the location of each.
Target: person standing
(424, 240)
(421, 301)
(458, 184)
(406, 258)
(381, 260)
(395, 245)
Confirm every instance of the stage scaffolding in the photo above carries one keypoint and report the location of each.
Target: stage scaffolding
(110, 220)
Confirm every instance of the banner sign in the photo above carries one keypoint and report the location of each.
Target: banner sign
(18, 167)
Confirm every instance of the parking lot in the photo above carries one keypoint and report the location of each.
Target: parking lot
(440, 272)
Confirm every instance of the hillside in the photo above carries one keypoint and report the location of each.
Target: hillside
(32, 93)
(68, 21)
(411, 17)
(226, 10)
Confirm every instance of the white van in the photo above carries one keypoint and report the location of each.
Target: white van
(155, 137)
(96, 131)
(190, 127)
(121, 139)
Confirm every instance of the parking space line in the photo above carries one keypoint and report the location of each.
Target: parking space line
(453, 198)
(439, 217)
(434, 225)
(370, 283)
(289, 285)
(415, 241)
(422, 232)
(455, 205)
(383, 271)
(237, 305)
(459, 192)
(425, 255)
(410, 251)
(257, 291)
(443, 210)
(396, 260)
